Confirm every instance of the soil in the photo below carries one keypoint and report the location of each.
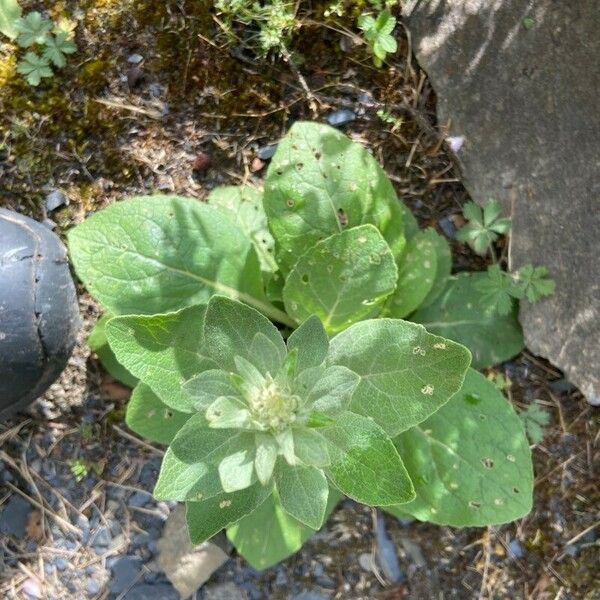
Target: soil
(190, 116)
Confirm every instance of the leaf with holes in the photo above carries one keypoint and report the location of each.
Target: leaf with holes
(244, 205)
(208, 517)
(470, 462)
(151, 418)
(269, 535)
(163, 351)
(342, 279)
(156, 254)
(461, 314)
(416, 274)
(405, 372)
(320, 183)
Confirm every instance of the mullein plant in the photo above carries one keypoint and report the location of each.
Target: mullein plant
(273, 342)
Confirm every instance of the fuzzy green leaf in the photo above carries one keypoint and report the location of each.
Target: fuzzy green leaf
(461, 314)
(98, 343)
(151, 418)
(364, 463)
(268, 534)
(32, 29)
(303, 493)
(57, 47)
(232, 328)
(406, 373)
(267, 450)
(35, 68)
(10, 12)
(163, 351)
(205, 388)
(311, 448)
(329, 390)
(312, 343)
(343, 279)
(190, 467)
(155, 254)
(208, 517)
(470, 462)
(416, 274)
(320, 183)
(244, 205)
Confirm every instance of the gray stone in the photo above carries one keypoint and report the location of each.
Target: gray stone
(149, 591)
(54, 200)
(125, 572)
(341, 117)
(519, 82)
(224, 591)
(14, 515)
(187, 566)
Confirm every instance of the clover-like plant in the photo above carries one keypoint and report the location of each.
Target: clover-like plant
(33, 31)
(265, 335)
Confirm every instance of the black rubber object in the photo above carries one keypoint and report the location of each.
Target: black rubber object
(39, 314)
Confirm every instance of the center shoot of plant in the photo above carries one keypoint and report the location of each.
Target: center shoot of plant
(273, 406)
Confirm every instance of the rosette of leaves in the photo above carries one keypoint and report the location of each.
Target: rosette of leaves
(268, 425)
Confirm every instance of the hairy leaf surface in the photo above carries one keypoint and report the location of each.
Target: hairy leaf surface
(406, 373)
(470, 462)
(319, 183)
(155, 254)
(364, 465)
(342, 279)
(163, 351)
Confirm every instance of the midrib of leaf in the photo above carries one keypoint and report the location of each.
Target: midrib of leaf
(269, 310)
(448, 323)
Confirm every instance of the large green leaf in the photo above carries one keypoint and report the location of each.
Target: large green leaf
(312, 343)
(163, 351)
(244, 205)
(461, 314)
(151, 418)
(156, 254)
(470, 462)
(190, 467)
(416, 274)
(364, 462)
(10, 11)
(208, 517)
(342, 279)
(98, 343)
(268, 535)
(406, 373)
(303, 492)
(319, 183)
(235, 330)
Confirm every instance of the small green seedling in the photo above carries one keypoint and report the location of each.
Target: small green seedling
(265, 334)
(378, 35)
(535, 420)
(48, 43)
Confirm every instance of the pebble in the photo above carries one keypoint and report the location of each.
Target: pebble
(224, 591)
(448, 227)
(309, 596)
(125, 571)
(341, 117)
(139, 499)
(32, 588)
(266, 152)
(135, 59)
(93, 587)
(54, 200)
(13, 518)
(386, 552)
(61, 564)
(102, 538)
(515, 549)
(365, 560)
